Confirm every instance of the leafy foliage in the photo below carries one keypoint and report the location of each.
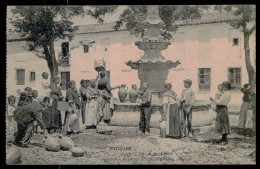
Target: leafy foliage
(41, 25)
(133, 16)
(245, 15)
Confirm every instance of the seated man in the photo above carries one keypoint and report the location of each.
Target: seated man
(25, 116)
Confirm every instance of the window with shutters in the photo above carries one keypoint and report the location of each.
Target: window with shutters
(204, 44)
(32, 76)
(234, 77)
(235, 41)
(204, 79)
(20, 76)
(86, 48)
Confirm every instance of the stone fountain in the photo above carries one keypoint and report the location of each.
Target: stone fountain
(153, 68)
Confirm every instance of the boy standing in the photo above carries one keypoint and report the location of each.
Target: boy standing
(146, 97)
(188, 99)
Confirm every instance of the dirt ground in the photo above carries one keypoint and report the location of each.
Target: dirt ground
(133, 149)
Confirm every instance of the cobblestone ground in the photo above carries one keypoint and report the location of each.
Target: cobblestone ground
(133, 149)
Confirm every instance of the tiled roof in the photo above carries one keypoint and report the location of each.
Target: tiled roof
(209, 18)
(108, 27)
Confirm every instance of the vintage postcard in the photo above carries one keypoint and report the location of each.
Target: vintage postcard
(130, 84)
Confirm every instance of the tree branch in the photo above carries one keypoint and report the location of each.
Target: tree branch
(251, 30)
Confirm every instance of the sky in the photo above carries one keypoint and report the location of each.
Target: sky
(77, 20)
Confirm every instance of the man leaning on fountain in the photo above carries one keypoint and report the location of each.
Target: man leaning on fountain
(145, 116)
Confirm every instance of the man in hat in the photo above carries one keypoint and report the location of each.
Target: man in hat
(25, 116)
(146, 97)
(188, 101)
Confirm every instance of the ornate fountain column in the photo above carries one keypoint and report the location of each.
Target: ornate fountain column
(152, 66)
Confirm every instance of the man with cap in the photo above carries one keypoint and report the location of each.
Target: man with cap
(188, 101)
(25, 116)
(146, 97)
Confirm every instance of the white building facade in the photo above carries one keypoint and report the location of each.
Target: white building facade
(209, 50)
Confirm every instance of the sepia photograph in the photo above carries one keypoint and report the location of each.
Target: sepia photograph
(130, 84)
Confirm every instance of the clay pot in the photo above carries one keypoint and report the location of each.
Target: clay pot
(13, 155)
(52, 143)
(163, 127)
(133, 93)
(73, 118)
(122, 93)
(66, 142)
(77, 152)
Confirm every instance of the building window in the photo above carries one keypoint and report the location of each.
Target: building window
(32, 76)
(204, 79)
(20, 76)
(65, 48)
(234, 77)
(86, 48)
(235, 41)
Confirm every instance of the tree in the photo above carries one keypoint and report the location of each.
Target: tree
(246, 22)
(41, 26)
(133, 16)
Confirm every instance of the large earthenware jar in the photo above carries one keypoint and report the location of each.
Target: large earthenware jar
(133, 93)
(122, 93)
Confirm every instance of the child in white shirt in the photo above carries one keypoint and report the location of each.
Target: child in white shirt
(11, 123)
(45, 86)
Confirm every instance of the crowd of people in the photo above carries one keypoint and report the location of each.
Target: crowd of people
(61, 108)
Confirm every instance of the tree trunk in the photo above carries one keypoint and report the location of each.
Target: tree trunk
(250, 71)
(51, 60)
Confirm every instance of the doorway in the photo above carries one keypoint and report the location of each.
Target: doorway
(65, 77)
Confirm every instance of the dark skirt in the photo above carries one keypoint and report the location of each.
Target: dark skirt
(222, 125)
(243, 115)
(174, 122)
(52, 116)
(83, 110)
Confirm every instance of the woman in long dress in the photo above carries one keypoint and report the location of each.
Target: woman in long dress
(246, 105)
(52, 118)
(73, 122)
(171, 111)
(63, 92)
(104, 107)
(92, 105)
(222, 125)
(82, 90)
(45, 86)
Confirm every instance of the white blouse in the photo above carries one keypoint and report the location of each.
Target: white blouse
(224, 99)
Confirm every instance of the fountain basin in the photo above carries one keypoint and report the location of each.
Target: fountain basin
(128, 114)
